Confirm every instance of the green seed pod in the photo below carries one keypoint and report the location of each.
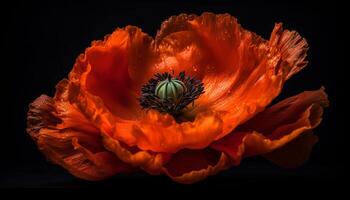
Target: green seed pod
(171, 89)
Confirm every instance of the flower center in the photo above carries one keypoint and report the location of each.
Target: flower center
(171, 89)
(169, 94)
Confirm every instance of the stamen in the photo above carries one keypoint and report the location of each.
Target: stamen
(169, 94)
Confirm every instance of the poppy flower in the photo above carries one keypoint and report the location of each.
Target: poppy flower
(188, 104)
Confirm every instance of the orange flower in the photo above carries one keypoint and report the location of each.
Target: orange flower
(188, 104)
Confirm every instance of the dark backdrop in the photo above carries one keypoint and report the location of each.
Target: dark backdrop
(44, 38)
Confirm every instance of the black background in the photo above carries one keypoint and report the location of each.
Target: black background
(44, 39)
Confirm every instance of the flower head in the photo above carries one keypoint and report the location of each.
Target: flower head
(191, 102)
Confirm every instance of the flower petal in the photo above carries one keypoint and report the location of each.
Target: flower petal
(161, 133)
(292, 49)
(201, 45)
(149, 161)
(258, 78)
(189, 166)
(174, 24)
(115, 68)
(178, 47)
(199, 163)
(68, 139)
(287, 112)
(69, 116)
(81, 154)
(275, 127)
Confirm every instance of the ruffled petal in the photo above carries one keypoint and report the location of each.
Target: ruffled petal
(292, 49)
(115, 69)
(68, 114)
(178, 48)
(68, 139)
(276, 127)
(41, 114)
(185, 166)
(81, 154)
(189, 166)
(257, 77)
(201, 45)
(286, 112)
(161, 133)
(149, 161)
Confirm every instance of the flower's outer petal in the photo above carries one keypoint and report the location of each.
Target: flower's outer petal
(276, 127)
(81, 154)
(114, 69)
(189, 166)
(69, 115)
(257, 77)
(202, 45)
(174, 24)
(41, 114)
(68, 139)
(287, 112)
(184, 166)
(161, 133)
(178, 48)
(148, 161)
(292, 49)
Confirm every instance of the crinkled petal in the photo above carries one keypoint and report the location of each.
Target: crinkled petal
(202, 45)
(161, 133)
(68, 139)
(276, 127)
(258, 71)
(288, 112)
(115, 68)
(149, 161)
(178, 48)
(81, 154)
(189, 166)
(185, 166)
